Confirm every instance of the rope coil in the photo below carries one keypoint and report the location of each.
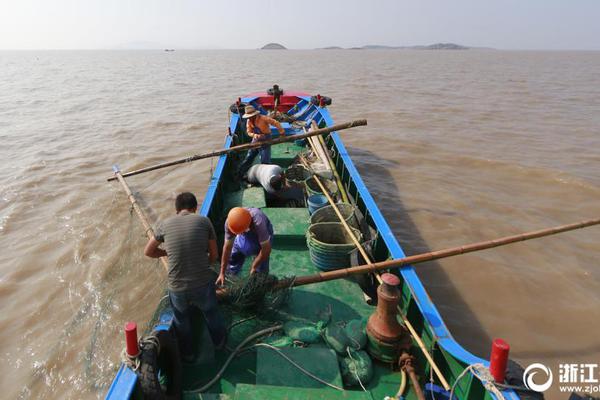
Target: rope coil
(144, 343)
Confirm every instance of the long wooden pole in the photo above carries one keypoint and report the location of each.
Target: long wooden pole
(366, 257)
(138, 210)
(247, 146)
(436, 255)
(338, 179)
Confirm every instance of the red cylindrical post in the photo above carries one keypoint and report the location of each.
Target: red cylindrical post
(499, 359)
(131, 342)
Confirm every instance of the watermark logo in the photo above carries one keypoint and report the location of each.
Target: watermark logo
(531, 371)
(572, 378)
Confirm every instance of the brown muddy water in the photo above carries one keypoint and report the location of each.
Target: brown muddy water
(461, 146)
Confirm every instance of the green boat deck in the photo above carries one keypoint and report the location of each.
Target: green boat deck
(262, 373)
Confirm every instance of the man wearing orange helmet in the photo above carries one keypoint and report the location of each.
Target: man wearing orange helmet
(248, 232)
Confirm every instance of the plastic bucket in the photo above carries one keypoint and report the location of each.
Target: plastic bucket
(330, 245)
(312, 187)
(328, 214)
(315, 202)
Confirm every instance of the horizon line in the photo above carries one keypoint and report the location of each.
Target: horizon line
(389, 47)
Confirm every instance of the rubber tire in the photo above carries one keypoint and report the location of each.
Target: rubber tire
(149, 365)
(326, 100)
(270, 92)
(514, 377)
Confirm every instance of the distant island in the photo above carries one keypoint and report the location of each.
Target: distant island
(273, 46)
(435, 46)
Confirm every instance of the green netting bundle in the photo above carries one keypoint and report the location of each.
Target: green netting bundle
(279, 341)
(255, 292)
(356, 368)
(336, 338)
(304, 331)
(357, 333)
(351, 336)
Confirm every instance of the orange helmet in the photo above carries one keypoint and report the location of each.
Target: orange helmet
(238, 220)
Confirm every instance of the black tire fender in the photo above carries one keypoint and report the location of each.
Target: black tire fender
(235, 107)
(326, 100)
(514, 377)
(165, 358)
(271, 92)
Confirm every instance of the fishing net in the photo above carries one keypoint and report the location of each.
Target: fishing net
(336, 338)
(279, 341)
(357, 368)
(356, 332)
(351, 336)
(305, 332)
(257, 292)
(297, 172)
(281, 117)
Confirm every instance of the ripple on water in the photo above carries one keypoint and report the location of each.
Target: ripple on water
(451, 155)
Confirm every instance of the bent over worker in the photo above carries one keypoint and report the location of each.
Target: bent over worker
(248, 232)
(190, 245)
(258, 128)
(272, 178)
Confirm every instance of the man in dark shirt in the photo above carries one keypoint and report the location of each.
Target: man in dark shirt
(248, 232)
(190, 245)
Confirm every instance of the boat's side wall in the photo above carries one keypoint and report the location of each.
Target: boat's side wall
(212, 192)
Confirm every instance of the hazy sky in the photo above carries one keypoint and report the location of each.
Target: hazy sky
(93, 24)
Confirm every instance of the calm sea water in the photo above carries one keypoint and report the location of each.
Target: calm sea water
(461, 146)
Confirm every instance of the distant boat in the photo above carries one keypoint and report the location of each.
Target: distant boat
(169, 49)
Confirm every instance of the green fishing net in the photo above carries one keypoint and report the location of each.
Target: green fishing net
(257, 292)
(357, 334)
(304, 331)
(356, 368)
(279, 341)
(352, 335)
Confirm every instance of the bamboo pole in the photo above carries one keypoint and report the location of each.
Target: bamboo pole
(439, 254)
(338, 179)
(435, 255)
(366, 257)
(247, 146)
(324, 155)
(138, 210)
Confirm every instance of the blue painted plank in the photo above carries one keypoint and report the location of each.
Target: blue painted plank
(123, 385)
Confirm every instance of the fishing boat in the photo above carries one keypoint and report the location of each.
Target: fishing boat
(423, 360)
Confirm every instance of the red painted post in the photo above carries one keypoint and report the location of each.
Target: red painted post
(131, 342)
(499, 359)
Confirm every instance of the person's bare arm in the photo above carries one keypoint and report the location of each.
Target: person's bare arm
(250, 129)
(152, 250)
(263, 255)
(227, 247)
(277, 125)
